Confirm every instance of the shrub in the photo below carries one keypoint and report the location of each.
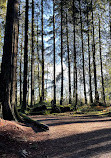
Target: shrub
(55, 110)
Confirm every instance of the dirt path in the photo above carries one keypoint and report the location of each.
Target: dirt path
(68, 137)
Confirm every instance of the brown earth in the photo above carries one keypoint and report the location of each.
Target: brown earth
(68, 137)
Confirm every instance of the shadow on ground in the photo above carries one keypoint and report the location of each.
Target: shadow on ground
(73, 120)
(84, 145)
(76, 146)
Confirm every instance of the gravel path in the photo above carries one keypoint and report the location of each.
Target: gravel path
(75, 137)
(68, 137)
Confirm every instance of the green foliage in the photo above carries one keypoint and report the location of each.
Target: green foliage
(95, 107)
(95, 104)
(85, 108)
(55, 110)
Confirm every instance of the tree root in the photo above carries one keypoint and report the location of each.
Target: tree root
(13, 114)
(35, 123)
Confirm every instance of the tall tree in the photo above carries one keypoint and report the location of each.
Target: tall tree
(69, 71)
(89, 56)
(75, 95)
(17, 49)
(101, 63)
(54, 52)
(61, 100)
(110, 17)
(9, 62)
(42, 23)
(94, 53)
(20, 74)
(32, 58)
(84, 80)
(25, 58)
(38, 57)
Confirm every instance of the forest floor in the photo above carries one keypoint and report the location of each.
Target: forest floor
(68, 137)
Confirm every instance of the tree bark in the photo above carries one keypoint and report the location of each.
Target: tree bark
(9, 67)
(32, 58)
(90, 85)
(25, 59)
(9, 62)
(42, 50)
(101, 63)
(75, 95)
(110, 25)
(84, 81)
(94, 60)
(69, 71)
(54, 52)
(38, 57)
(21, 68)
(61, 100)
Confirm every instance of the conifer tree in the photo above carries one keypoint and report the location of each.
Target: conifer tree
(25, 58)
(32, 58)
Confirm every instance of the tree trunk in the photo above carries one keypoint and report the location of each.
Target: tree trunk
(110, 20)
(25, 59)
(28, 95)
(75, 95)
(47, 80)
(90, 85)
(9, 67)
(32, 58)
(110, 24)
(61, 100)
(17, 55)
(42, 50)
(69, 72)
(94, 61)
(101, 63)
(54, 52)
(9, 62)
(84, 82)
(21, 68)
(38, 57)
